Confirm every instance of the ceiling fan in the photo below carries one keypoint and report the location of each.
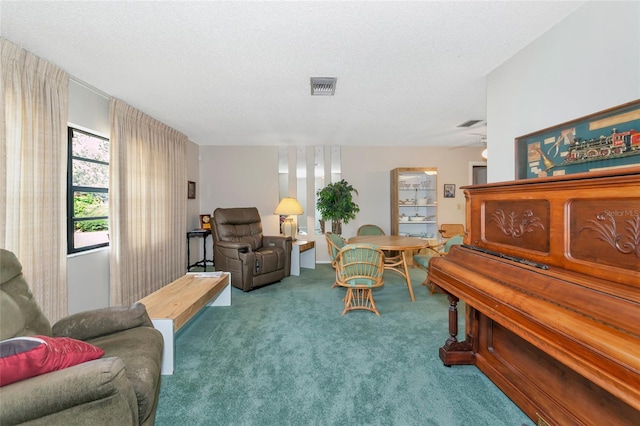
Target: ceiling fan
(482, 141)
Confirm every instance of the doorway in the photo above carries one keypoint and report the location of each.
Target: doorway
(479, 175)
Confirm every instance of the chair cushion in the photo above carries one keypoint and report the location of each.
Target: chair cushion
(336, 239)
(422, 259)
(25, 357)
(360, 282)
(370, 230)
(453, 241)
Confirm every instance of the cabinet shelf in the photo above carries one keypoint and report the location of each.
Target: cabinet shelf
(416, 222)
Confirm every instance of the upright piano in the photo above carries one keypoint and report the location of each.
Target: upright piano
(549, 274)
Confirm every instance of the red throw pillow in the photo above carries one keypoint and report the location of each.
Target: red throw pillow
(24, 357)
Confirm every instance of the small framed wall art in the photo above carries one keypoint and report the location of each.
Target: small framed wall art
(449, 190)
(191, 190)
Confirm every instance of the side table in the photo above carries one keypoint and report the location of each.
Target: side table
(303, 254)
(198, 233)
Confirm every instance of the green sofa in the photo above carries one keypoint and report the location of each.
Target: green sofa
(120, 388)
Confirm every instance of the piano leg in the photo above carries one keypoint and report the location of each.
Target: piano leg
(454, 352)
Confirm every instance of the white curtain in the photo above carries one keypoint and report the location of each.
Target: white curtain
(147, 201)
(33, 172)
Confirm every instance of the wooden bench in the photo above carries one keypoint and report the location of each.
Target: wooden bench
(172, 306)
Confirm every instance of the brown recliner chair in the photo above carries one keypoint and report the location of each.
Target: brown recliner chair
(120, 388)
(239, 247)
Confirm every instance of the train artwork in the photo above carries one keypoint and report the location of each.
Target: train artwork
(618, 144)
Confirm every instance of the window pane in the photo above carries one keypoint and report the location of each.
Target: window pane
(88, 146)
(95, 231)
(86, 173)
(90, 204)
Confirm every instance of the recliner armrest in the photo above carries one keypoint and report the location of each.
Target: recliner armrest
(285, 243)
(101, 322)
(275, 241)
(232, 249)
(234, 245)
(51, 394)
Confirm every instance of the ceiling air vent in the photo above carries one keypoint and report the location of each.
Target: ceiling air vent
(323, 86)
(469, 123)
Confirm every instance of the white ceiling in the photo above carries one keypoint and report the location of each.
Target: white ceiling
(237, 73)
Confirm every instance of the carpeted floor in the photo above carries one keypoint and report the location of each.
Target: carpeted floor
(284, 355)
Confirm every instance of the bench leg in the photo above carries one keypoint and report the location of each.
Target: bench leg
(165, 326)
(224, 297)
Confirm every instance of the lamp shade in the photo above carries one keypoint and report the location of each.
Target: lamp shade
(288, 206)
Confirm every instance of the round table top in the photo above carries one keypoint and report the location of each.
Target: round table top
(391, 242)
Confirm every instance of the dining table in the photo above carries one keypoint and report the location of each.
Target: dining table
(393, 243)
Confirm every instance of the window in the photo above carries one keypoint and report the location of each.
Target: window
(87, 191)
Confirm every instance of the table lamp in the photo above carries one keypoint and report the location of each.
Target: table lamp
(289, 206)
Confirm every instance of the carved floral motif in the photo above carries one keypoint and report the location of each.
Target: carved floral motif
(605, 226)
(514, 225)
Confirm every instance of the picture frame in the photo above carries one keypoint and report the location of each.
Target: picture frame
(449, 190)
(191, 190)
(602, 140)
(205, 221)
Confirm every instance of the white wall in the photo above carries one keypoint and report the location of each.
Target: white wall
(587, 63)
(241, 176)
(88, 280)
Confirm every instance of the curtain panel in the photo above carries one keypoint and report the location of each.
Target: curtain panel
(33, 172)
(147, 202)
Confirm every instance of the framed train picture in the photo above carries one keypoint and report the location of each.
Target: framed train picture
(604, 140)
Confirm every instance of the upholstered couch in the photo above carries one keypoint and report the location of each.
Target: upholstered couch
(239, 247)
(120, 387)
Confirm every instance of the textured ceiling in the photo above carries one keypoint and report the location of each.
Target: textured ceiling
(237, 73)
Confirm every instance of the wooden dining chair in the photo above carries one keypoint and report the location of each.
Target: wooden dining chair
(360, 268)
(422, 259)
(448, 230)
(334, 243)
(370, 229)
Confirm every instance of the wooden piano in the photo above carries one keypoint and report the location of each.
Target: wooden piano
(550, 276)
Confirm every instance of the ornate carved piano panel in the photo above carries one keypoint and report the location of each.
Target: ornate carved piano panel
(606, 232)
(550, 275)
(521, 222)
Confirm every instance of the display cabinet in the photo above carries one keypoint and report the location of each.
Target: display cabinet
(414, 202)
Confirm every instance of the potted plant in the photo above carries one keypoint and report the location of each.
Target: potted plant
(335, 203)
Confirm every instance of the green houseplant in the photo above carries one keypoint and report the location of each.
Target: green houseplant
(335, 203)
